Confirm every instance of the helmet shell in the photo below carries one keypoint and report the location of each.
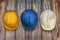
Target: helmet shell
(29, 19)
(11, 20)
(48, 20)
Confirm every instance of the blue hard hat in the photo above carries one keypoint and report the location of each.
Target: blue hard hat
(29, 19)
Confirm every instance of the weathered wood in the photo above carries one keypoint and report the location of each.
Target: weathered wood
(2, 29)
(59, 24)
(55, 33)
(38, 33)
(39, 26)
(20, 32)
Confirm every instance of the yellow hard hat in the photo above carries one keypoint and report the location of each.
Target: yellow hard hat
(11, 20)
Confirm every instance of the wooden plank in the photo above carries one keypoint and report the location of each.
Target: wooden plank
(55, 31)
(10, 35)
(39, 26)
(46, 35)
(58, 17)
(58, 23)
(2, 29)
(20, 32)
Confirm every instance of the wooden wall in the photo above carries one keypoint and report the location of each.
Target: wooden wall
(38, 33)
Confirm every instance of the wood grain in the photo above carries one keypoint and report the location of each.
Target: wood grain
(38, 33)
(20, 32)
(2, 29)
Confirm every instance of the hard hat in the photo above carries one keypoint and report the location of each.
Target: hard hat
(48, 20)
(11, 20)
(29, 19)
